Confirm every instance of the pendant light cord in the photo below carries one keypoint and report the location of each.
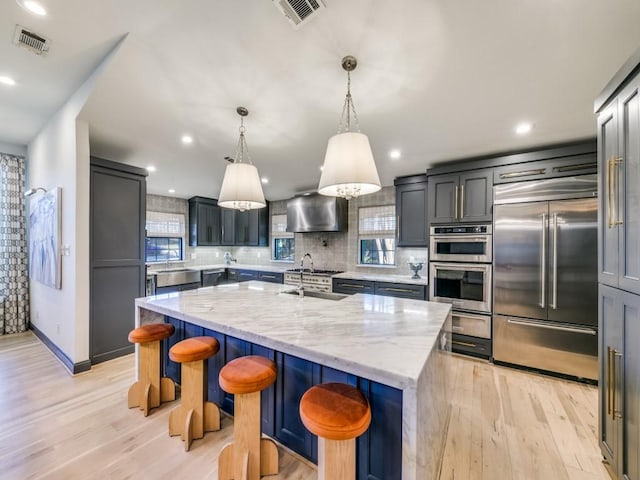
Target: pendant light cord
(242, 146)
(347, 108)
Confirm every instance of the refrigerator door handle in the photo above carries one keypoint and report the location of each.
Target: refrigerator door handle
(554, 282)
(561, 328)
(543, 262)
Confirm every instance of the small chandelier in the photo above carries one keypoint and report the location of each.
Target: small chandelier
(241, 188)
(349, 169)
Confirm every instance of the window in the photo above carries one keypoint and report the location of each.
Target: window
(163, 249)
(282, 242)
(165, 237)
(377, 235)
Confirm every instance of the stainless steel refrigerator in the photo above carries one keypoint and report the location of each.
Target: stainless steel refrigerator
(545, 275)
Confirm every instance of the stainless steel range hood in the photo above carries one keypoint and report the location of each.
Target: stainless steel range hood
(317, 213)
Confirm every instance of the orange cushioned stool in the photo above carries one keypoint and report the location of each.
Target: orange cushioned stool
(337, 413)
(248, 457)
(194, 415)
(150, 389)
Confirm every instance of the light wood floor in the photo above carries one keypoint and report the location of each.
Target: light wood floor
(505, 424)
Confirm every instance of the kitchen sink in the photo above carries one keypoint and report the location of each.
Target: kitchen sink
(324, 295)
(168, 278)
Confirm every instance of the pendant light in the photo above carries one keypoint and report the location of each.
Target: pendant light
(349, 169)
(241, 188)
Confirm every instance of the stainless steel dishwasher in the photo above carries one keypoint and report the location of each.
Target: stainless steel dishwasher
(213, 277)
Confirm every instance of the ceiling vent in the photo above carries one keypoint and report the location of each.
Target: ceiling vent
(31, 41)
(299, 12)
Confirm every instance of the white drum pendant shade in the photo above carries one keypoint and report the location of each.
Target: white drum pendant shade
(241, 188)
(349, 168)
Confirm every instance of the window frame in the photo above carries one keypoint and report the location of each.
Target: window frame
(168, 239)
(382, 234)
(178, 233)
(280, 234)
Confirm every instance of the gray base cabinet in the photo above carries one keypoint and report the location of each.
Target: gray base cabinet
(387, 289)
(619, 405)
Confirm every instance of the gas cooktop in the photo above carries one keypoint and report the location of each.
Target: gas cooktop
(316, 271)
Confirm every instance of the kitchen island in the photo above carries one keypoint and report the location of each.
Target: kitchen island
(395, 350)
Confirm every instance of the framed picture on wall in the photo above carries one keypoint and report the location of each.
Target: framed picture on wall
(44, 238)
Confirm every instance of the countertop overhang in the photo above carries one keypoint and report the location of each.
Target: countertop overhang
(385, 339)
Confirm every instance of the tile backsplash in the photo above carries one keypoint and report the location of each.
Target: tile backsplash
(330, 250)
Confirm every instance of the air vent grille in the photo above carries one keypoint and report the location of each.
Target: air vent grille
(299, 12)
(31, 41)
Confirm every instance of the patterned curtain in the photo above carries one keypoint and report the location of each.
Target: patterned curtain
(14, 278)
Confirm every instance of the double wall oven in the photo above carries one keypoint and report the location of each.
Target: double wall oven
(460, 273)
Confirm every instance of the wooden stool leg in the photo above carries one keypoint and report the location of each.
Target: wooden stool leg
(336, 459)
(145, 393)
(246, 435)
(193, 416)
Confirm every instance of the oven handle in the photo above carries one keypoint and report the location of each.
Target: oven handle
(476, 267)
(462, 239)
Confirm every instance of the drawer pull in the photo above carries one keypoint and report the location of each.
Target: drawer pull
(394, 289)
(351, 285)
(526, 173)
(268, 276)
(571, 168)
(463, 344)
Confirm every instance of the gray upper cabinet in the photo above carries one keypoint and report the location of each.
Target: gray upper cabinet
(204, 222)
(411, 211)
(464, 197)
(619, 162)
(252, 227)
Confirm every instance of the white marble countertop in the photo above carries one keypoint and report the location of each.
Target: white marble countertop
(384, 339)
(380, 277)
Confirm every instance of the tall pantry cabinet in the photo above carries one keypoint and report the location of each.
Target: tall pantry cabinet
(618, 109)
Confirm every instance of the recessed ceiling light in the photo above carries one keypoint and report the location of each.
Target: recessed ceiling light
(187, 139)
(151, 168)
(7, 80)
(395, 154)
(265, 180)
(33, 7)
(171, 190)
(523, 128)
(321, 167)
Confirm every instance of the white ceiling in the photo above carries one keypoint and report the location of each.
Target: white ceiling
(438, 80)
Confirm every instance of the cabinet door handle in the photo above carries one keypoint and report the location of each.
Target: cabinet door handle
(617, 162)
(543, 262)
(352, 285)
(608, 193)
(268, 276)
(609, 374)
(461, 202)
(615, 413)
(455, 204)
(571, 168)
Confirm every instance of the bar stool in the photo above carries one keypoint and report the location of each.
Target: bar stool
(248, 457)
(194, 416)
(150, 389)
(337, 413)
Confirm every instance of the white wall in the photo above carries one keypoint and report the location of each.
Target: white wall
(13, 149)
(59, 157)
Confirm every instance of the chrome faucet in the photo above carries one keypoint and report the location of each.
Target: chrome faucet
(300, 286)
